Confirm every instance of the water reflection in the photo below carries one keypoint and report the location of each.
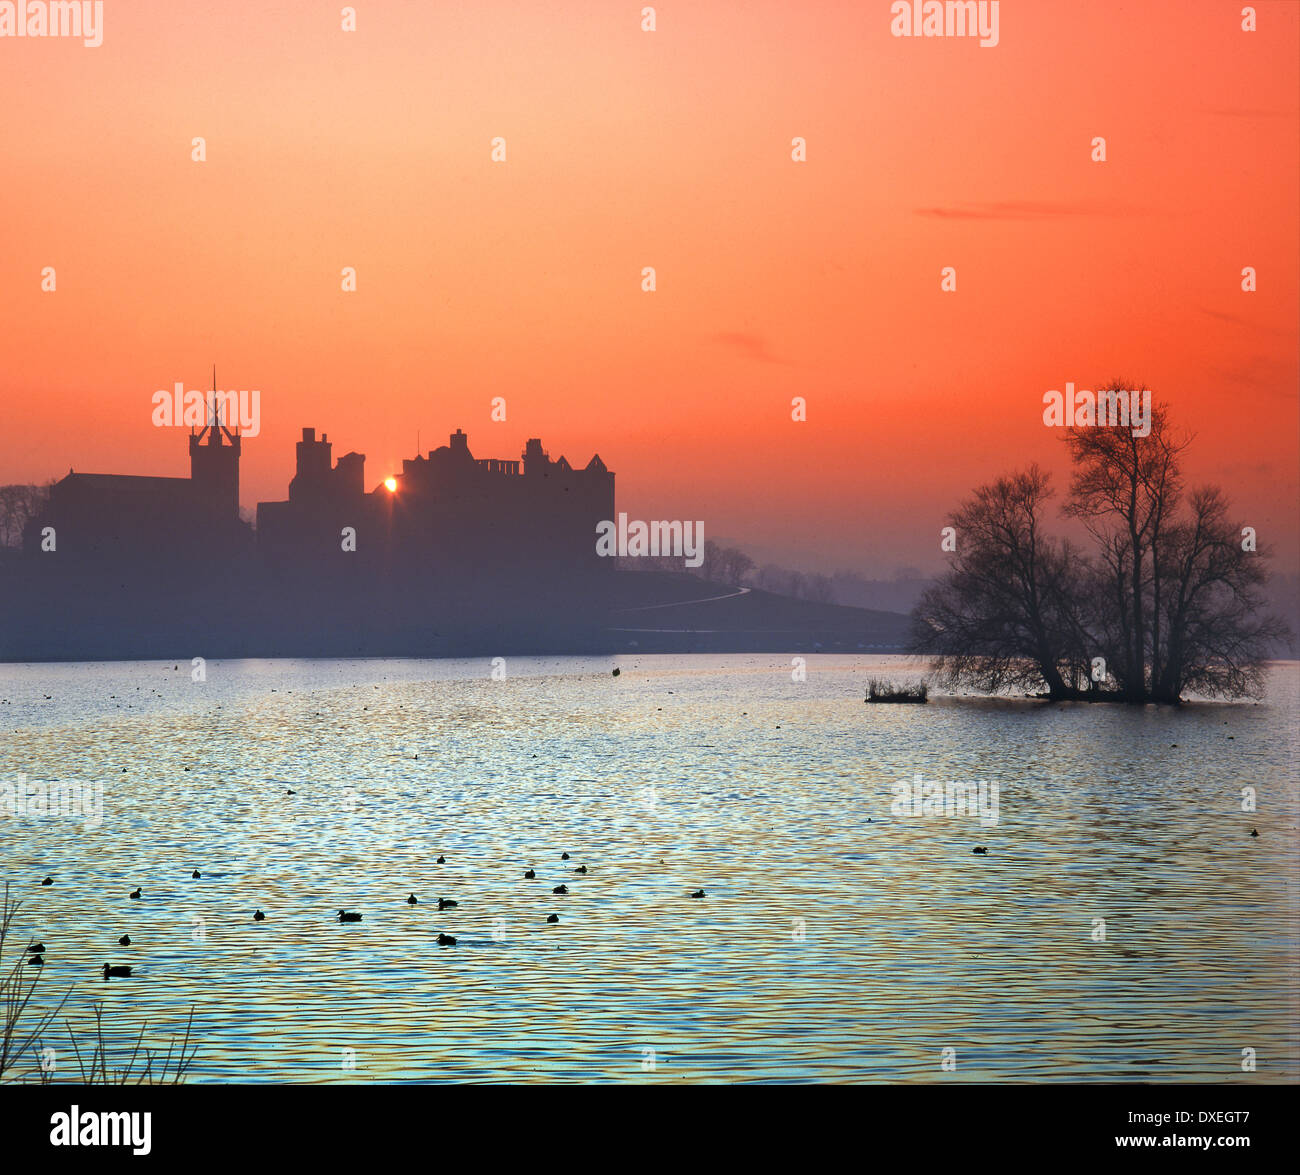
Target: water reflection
(837, 941)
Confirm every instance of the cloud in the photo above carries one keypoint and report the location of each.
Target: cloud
(755, 346)
(1253, 113)
(1025, 210)
(1240, 320)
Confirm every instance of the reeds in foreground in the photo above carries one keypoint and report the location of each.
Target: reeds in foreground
(23, 1033)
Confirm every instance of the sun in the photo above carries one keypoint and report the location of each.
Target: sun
(391, 484)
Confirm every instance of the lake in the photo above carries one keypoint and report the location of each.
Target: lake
(1123, 924)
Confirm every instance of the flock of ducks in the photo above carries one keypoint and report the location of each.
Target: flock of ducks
(36, 951)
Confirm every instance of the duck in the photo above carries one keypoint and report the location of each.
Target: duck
(37, 948)
(446, 940)
(48, 881)
(135, 893)
(981, 850)
(560, 889)
(344, 916)
(124, 941)
(196, 875)
(529, 874)
(1254, 832)
(564, 856)
(413, 900)
(258, 916)
(552, 917)
(447, 904)
(442, 860)
(36, 961)
(120, 972)
(699, 893)
(581, 869)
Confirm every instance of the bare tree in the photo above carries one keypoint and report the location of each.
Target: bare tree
(1003, 615)
(1217, 634)
(19, 504)
(711, 569)
(735, 566)
(1173, 601)
(1126, 489)
(820, 589)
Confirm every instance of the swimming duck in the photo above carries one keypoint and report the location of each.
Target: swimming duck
(37, 948)
(530, 874)
(552, 917)
(447, 904)
(581, 869)
(36, 961)
(980, 849)
(124, 941)
(258, 916)
(135, 893)
(196, 875)
(446, 940)
(442, 860)
(120, 972)
(1254, 832)
(560, 889)
(48, 881)
(564, 856)
(413, 900)
(344, 916)
(699, 893)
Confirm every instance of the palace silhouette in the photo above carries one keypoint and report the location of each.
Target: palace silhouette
(454, 554)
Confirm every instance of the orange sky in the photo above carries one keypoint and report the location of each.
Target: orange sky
(625, 149)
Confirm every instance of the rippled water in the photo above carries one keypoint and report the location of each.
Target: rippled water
(718, 772)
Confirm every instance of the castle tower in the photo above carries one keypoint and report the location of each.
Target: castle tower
(214, 465)
(536, 461)
(312, 476)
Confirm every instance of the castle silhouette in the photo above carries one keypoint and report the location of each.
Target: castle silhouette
(455, 554)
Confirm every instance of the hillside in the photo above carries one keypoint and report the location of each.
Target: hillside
(670, 612)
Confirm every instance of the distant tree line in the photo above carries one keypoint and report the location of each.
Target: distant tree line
(1167, 599)
(731, 566)
(19, 504)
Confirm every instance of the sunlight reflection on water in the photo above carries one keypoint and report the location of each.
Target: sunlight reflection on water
(717, 772)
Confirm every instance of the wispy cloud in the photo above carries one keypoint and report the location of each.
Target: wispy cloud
(1242, 321)
(1027, 210)
(1254, 113)
(755, 346)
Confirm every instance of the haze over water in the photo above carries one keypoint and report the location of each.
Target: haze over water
(715, 772)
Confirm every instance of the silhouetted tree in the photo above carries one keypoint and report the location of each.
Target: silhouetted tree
(1217, 636)
(1126, 490)
(820, 589)
(1003, 615)
(19, 504)
(1172, 601)
(736, 565)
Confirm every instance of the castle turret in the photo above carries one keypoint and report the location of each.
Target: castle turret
(214, 467)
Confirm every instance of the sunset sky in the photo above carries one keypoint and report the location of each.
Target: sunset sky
(672, 149)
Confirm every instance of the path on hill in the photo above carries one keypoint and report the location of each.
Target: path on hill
(682, 603)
